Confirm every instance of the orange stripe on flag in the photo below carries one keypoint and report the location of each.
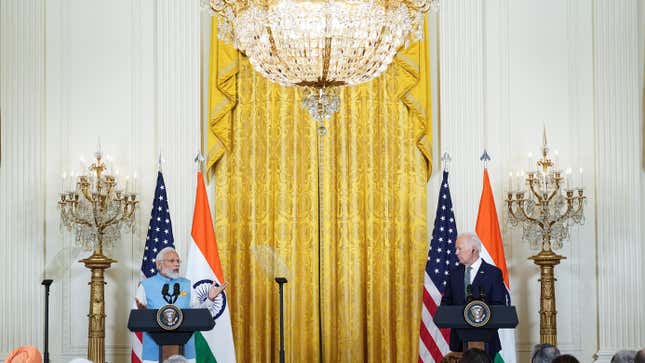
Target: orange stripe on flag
(488, 228)
(203, 232)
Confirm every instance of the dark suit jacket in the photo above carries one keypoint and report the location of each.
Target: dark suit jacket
(489, 280)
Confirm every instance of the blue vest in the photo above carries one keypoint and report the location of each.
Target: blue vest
(153, 286)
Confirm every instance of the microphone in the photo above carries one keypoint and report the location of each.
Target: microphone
(164, 290)
(482, 294)
(175, 289)
(469, 293)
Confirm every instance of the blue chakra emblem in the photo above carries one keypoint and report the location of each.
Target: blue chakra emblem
(200, 294)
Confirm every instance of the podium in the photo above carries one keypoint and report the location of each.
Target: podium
(452, 316)
(145, 320)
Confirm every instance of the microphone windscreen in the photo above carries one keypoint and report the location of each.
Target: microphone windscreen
(164, 289)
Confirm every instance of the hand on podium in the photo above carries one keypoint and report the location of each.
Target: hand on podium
(215, 290)
(140, 305)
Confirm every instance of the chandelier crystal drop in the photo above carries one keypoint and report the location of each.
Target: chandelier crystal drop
(321, 45)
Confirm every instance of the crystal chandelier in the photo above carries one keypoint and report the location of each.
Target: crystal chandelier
(320, 45)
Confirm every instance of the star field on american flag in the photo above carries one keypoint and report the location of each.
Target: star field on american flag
(159, 230)
(441, 255)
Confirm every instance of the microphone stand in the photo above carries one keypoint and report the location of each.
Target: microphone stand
(46, 283)
(281, 281)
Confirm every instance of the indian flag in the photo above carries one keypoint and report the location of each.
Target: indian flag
(203, 270)
(493, 252)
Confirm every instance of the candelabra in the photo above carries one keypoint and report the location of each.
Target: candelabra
(96, 211)
(545, 210)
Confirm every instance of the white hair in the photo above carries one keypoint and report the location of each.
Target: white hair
(624, 356)
(162, 254)
(176, 359)
(80, 360)
(472, 239)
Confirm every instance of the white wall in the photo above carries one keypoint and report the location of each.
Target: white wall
(130, 72)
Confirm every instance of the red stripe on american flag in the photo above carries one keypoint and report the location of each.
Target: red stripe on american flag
(430, 344)
(430, 304)
(135, 353)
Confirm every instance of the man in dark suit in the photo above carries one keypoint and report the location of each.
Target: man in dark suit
(476, 276)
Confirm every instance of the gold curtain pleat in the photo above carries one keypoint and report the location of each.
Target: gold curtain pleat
(356, 271)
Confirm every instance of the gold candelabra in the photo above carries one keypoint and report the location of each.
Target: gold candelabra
(96, 211)
(545, 210)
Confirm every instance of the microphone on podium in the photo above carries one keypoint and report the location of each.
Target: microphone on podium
(164, 290)
(469, 293)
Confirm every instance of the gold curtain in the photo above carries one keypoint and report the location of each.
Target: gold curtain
(356, 277)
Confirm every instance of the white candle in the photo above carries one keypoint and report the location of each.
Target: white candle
(556, 159)
(71, 181)
(64, 181)
(581, 179)
(569, 183)
(510, 181)
(520, 180)
(531, 166)
(127, 183)
(134, 179)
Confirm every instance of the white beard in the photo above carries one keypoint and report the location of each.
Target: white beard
(170, 273)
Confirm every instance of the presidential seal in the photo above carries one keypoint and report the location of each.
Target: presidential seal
(170, 317)
(477, 313)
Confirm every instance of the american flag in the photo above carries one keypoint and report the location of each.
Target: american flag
(159, 237)
(434, 342)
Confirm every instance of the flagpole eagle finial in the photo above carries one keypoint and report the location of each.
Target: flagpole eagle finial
(160, 162)
(199, 158)
(485, 158)
(446, 160)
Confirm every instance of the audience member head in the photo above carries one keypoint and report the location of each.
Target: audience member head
(24, 354)
(544, 353)
(474, 355)
(565, 358)
(624, 356)
(640, 356)
(175, 359)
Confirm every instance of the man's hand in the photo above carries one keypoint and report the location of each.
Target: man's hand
(140, 305)
(214, 290)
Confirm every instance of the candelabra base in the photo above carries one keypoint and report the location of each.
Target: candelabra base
(547, 260)
(97, 263)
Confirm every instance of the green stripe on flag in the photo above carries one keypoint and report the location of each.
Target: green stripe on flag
(203, 351)
(498, 358)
